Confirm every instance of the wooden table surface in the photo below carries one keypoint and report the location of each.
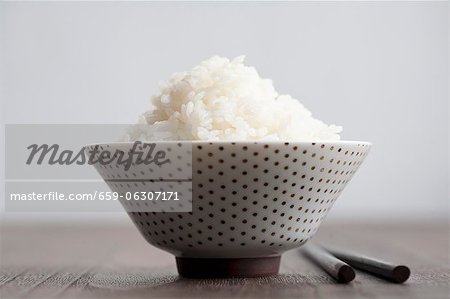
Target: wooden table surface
(101, 261)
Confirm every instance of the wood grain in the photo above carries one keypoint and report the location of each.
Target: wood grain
(116, 262)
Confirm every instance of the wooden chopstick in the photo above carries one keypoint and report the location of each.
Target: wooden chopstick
(393, 272)
(336, 268)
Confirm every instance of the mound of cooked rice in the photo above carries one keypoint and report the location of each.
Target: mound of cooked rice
(226, 100)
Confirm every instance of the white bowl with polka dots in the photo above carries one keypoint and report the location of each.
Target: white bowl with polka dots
(250, 201)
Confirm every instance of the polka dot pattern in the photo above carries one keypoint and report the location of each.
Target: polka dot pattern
(179, 165)
(253, 198)
(173, 176)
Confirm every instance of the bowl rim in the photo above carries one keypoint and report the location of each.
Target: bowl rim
(238, 142)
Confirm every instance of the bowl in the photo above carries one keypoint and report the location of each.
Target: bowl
(251, 201)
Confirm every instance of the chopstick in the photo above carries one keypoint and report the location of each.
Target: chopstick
(393, 272)
(336, 268)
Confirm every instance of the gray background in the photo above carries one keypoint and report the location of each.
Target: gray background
(378, 69)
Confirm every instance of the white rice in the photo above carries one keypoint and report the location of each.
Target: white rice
(226, 100)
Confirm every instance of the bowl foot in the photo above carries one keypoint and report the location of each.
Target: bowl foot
(227, 267)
